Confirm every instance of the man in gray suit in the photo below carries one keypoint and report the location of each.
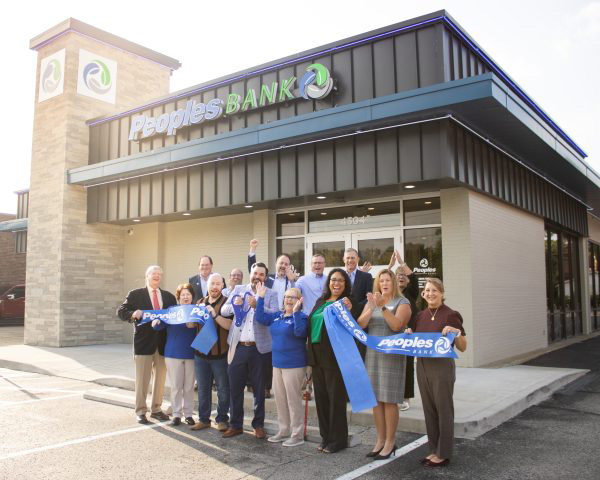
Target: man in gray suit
(249, 345)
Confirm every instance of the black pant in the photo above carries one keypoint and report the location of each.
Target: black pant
(330, 400)
(269, 371)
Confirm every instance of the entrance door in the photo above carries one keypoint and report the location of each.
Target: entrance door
(375, 247)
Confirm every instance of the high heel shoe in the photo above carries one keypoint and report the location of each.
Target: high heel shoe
(385, 457)
(374, 454)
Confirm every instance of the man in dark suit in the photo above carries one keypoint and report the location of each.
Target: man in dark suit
(362, 283)
(148, 344)
(200, 280)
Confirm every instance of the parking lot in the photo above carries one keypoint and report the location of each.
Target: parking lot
(11, 335)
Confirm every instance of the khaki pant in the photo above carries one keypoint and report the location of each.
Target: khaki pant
(181, 380)
(287, 384)
(146, 366)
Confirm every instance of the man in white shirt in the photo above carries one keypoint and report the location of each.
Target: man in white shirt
(249, 351)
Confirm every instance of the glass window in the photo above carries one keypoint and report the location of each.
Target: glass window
(354, 217)
(563, 289)
(423, 252)
(332, 251)
(21, 242)
(422, 211)
(18, 292)
(376, 251)
(290, 224)
(294, 248)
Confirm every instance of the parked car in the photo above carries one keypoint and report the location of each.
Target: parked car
(12, 305)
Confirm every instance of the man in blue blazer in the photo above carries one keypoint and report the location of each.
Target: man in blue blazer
(200, 281)
(249, 352)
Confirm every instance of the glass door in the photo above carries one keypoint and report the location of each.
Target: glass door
(373, 247)
(331, 246)
(377, 247)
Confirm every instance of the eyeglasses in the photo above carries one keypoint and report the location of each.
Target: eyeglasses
(290, 297)
(337, 280)
(401, 275)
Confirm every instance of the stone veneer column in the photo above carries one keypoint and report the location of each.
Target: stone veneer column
(75, 270)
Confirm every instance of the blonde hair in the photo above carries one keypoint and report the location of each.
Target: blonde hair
(437, 283)
(296, 291)
(377, 287)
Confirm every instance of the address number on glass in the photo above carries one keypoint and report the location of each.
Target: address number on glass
(354, 220)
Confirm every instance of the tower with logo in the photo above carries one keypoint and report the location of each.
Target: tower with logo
(75, 269)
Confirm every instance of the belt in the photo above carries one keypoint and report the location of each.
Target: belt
(247, 344)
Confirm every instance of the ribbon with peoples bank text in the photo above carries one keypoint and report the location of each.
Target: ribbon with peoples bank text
(342, 328)
(181, 314)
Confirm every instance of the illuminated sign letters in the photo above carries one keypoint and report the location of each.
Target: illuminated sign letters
(315, 84)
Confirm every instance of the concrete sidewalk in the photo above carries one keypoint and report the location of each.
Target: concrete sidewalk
(483, 397)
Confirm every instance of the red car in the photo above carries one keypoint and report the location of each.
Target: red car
(12, 304)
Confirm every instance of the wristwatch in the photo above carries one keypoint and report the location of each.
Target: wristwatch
(383, 309)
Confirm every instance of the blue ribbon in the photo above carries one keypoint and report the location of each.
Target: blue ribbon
(341, 327)
(181, 314)
(239, 311)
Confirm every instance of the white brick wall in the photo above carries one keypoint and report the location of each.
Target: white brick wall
(494, 270)
(180, 246)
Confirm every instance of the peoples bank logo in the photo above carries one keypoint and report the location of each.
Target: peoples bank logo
(442, 346)
(97, 77)
(316, 83)
(52, 76)
(424, 263)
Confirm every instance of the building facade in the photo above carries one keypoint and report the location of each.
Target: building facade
(13, 244)
(409, 137)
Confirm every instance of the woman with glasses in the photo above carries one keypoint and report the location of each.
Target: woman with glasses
(288, 330)
(386, 313)
(330, 392)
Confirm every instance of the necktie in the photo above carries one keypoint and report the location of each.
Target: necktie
(155, 302)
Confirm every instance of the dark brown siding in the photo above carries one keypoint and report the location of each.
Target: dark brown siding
(486, 169)
(366, 160)
(407, 61)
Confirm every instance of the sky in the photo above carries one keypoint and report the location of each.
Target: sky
(550, 48)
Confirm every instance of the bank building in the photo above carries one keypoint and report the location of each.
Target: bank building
(409, 137)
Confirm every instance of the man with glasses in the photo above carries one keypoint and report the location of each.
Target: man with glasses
(236, 278)
(311, 285)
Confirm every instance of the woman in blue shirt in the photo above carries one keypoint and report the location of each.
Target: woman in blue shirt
(288, 330)
(179, 358)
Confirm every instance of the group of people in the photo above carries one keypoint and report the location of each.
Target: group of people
(271, 333)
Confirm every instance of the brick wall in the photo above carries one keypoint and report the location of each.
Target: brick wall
(75, 270)
(12, 265)
(495, 274)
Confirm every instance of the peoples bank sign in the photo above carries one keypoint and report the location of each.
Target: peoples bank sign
(316, 83)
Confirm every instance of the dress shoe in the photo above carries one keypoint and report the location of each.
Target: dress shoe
(404, 406)
(163, 417)
(385, 457)
(190, 421)
(142, 419)
(260, 433)
(374, 454)
(443, 463)
(267, 393)
(232, 432)
(222, 426)
(423, 461)
(176, 421)
(200, 425)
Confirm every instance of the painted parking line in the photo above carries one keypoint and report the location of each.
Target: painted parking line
(380, 463)
(77, 441)
(92, 438)
(8, 404)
